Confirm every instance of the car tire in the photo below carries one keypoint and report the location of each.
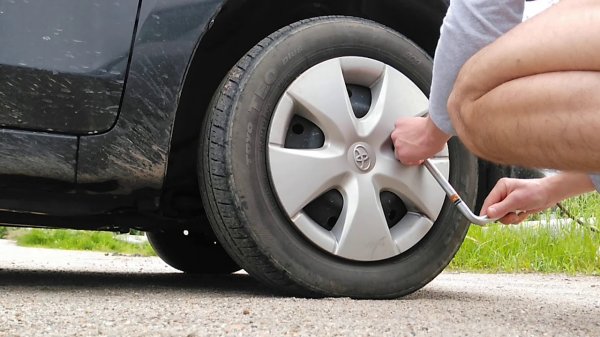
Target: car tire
(191, 252)
(246, 188)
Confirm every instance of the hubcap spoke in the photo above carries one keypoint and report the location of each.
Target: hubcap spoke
(414, 185)
(410, 230)
(302, 175)
(315, 233)
(322, 97)
(362, 231)
(394, 95)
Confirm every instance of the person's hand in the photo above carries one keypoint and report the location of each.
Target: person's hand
(513, 200)
(416, 139)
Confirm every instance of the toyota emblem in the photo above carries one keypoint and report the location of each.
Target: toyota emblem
(362, 158)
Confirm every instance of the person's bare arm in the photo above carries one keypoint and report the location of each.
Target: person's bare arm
(515, 199)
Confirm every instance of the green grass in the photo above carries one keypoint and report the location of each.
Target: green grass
(81, 240)
(570, 249)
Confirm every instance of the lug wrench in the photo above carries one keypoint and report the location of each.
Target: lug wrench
(455, 198)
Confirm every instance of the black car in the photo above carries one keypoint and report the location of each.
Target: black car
(246, 134)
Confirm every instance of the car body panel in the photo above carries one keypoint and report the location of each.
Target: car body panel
(41, 155)
(134, 153)
(64, 63)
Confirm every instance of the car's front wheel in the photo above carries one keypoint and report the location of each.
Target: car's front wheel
(298, 172)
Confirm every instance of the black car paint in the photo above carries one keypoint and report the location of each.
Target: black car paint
(134, 153)
(54, 155)
(64, 63)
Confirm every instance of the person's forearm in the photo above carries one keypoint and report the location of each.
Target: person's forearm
(435, 134)
(568, 184)
(469, 26)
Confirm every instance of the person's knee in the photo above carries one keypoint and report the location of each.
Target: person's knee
(462, 111)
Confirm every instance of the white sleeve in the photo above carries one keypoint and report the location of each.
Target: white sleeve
(468, 26)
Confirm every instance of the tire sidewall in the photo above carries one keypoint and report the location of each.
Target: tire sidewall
(284, 58)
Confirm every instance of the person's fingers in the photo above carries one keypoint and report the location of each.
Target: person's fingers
(536, 210)
(501, 208)
(507, 219)
(503, 200)
(398, 144)
(398, 121)
(411, 163)
(522, 217)
(413, 141)
(498, 193)
(514, 218)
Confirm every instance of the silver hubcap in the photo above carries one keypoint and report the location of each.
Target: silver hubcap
(355, 159)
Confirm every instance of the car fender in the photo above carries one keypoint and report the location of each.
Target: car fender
(133, 154)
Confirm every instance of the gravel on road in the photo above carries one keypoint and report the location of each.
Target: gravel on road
(58, 293)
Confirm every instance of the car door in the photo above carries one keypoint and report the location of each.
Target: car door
(63, 66)
(63, 63)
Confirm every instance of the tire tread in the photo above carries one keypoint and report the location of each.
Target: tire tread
(231, 228)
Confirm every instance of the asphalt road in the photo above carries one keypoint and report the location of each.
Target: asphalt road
(57, 293)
